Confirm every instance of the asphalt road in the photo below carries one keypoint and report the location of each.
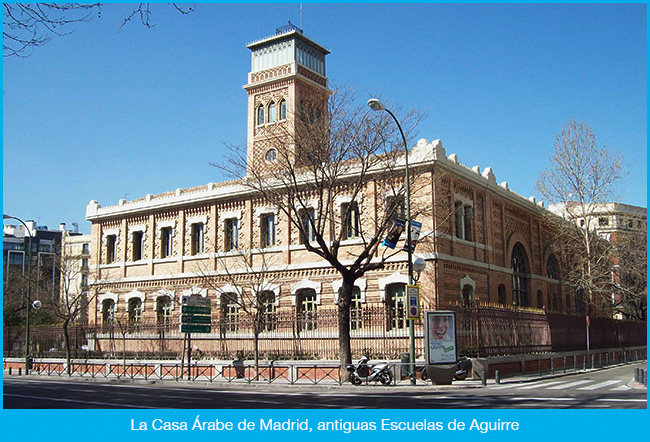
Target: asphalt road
(608, 388)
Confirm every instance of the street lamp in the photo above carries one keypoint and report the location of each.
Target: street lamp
(377, 106)
(29, 286)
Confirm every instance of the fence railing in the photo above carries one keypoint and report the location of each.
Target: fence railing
(481, 331)
(296, 373)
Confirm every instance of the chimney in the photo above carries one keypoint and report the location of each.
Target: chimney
(62, 227)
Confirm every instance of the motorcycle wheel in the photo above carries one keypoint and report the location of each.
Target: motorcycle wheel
(386, 378)
(355, 380)
(461, 376)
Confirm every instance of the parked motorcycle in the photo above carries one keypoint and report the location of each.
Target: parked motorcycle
(363, 372)
(463, 369)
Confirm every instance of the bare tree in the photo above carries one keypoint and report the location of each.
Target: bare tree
(326, 161)
(247, 284)
(630, 276)
(29, 25)
(68, 295)
(582, 177)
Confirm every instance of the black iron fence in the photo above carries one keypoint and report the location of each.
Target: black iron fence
(377, 331)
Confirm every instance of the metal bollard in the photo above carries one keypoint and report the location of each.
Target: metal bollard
(552, 365)
(564, 364)
(497, 378)
(483, 378)
(593, 360)
(539, 365)
(575, 363)
(641, 376)
(20, 371)
(636, 375)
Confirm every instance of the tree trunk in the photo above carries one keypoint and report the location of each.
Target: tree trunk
(66, 338)
(345, 349)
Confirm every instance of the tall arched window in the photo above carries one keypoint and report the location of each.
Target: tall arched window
(272, 113)
(134, 309)
(229, 312)
(519, 276)
(283, 110)
(553, 272)
(356, 310)
(164, 312)
(260, 115)
(467, 295)
(306, 309)
(267, 310)
(108, 312)
(396, 305)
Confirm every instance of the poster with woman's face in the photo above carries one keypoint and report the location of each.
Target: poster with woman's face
(441, 337)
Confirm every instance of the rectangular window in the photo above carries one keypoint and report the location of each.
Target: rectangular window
(85, 249)
(198, 238)
(137, 246)
(231, 234)
(469, 215)
(110, 248)
(307, 218)
(350, 221)
(166, 242)
(396, 305)
(395, 207)
(267, 233)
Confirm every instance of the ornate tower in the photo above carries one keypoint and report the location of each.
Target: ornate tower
(287, 81)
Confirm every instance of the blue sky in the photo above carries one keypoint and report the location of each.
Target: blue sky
(101, 115)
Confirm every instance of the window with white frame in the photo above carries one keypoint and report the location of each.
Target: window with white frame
(137, 245)
(268, 311)
(396, 306)
(267, 230)
(272, 112)
(260, 115)
(463, 215)
(230, 312)
(306, 303)
(350, 221)
(111, 241)
(307, 221)
(231, 234)
(283, 110)
(166, 242)
(198, 238)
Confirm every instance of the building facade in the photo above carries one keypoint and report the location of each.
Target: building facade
(481, 241)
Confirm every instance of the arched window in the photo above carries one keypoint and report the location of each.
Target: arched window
(229, 312)
(134, 310)
(306, 309)
(283, 110)
(501, 294)
(268, 311)
(519, 276)
(579, 298)
(272, 112)
(356, 310)
(467, 295)
(260, 115)
(396, 306)
(108, 312)
(164, 312)
(552, 267)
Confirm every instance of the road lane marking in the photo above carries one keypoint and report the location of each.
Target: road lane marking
(569, 385)
(622, 388)
(600, 385)
(540, 385)
(75, 401)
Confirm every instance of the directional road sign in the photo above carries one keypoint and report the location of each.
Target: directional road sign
(195, 328)
(195, 319)
(195, 310)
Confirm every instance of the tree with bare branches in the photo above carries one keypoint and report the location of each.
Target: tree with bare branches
(581, 178)
(325, 163)
(30, 25)
(246, 287)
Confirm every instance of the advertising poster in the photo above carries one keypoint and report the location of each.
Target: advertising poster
(440, 337)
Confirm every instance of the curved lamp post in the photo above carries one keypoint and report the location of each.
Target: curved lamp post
(29, 280)
(377, 106)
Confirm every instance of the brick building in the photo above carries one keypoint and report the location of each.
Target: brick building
(482, 242)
